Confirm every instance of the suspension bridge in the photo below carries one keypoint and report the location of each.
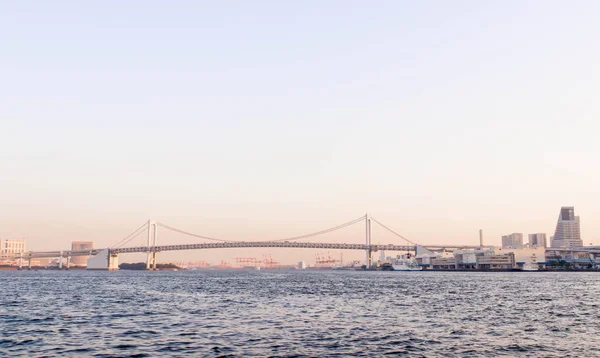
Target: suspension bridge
(107, 258)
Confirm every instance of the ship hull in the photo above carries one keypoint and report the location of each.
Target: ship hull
(405, 268)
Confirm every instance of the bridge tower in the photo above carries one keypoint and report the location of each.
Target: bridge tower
(152, 236)
(368, 261)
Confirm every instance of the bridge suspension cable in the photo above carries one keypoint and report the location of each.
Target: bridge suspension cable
(393, 232)
(131, 236)
(190, 234)
(144, 228)
(362, 218)
(142, 231)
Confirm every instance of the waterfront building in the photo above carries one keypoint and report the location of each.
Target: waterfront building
(424, 260)
(490, 261)
(424, 257)
(512, 241)
(568, 232)
(537, 240)
(13, 246)
(81, 245)
(526, 255)
(443, 263)
(485, 259)
(466, 259)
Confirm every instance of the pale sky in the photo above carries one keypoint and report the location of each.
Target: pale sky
(268, 119)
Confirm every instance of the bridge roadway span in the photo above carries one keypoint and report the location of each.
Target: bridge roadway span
(219, 245)
(253, 244)
(265, 244)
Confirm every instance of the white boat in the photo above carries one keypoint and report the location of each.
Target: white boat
(530, 267)
(404, 266)
(402, 263)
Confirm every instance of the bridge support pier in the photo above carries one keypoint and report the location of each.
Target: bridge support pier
(113, 261)
(21, 261)
(154, 260)
(68, 262)
(104, 260)
(29, 264)
(60, 260)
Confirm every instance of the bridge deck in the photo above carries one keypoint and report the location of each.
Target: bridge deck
(219, 245)
(255, 244)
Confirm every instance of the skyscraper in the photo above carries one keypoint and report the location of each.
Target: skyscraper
(568, 233)
(537, 240)
(512, 241)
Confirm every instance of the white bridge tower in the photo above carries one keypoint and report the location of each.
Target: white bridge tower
(151, 254)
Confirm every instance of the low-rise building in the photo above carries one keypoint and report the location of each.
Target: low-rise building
(425, 257)
(466, 259)
(443, 263)
(493, 261)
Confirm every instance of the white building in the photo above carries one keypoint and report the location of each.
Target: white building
(425, 257)
(512, 241)
(568, 232)
(537, 240)
(13, 246)
(466, 259)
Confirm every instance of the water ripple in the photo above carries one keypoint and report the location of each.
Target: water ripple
(298, 314)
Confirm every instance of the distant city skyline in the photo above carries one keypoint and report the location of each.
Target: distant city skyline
(267, 120)
(567, 231)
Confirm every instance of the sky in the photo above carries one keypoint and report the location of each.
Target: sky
(268, 119)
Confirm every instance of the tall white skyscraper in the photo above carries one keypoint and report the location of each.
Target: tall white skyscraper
(568, 233)
(537, 240)
(512, 241)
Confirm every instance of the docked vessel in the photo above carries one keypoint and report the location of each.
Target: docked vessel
(406, 266)
(403, 263)
(530, 267)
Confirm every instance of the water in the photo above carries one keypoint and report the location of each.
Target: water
(291, 314)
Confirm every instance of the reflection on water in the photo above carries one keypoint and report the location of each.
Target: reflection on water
(287, 313)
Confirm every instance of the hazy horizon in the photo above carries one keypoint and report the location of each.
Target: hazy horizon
(266, 120)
